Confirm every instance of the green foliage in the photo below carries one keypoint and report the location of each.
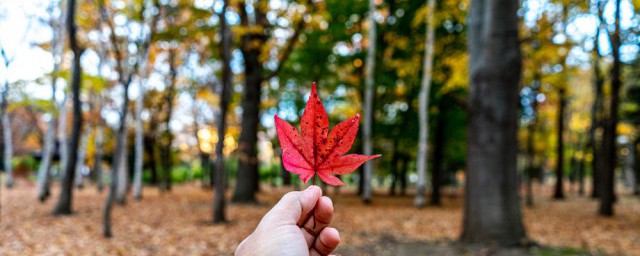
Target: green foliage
(181, 173)
(25, 164)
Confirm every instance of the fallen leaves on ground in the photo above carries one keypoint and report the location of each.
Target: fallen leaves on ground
(178, 223)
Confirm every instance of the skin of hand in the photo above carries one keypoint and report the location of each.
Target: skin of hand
(288, 228)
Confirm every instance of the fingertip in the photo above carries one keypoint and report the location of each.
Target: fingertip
(326, 204)
(332, 236)
(314, 191)
(327, 241)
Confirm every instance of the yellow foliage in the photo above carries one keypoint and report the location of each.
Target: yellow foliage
(624, 129)
(208, 96)
(458, 78)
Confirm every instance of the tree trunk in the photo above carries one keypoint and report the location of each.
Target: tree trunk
(121, 167)
(44, 172)
(6, 132)
(139, 139)
(531, 165)
(63, 207)
(367, 143)
(284, 174)
(167, 137)
(106, 220)
(581, 175)
(607, 193)
(62, 134)
(636, 151)
(394, 168)
(139, 147)
(99, 141)
(438, 156)
(205, 162)
(247, 158)
(219, 213)
(597, 111)
(492, 209)
(82, 153)
(559, 190)
(403, 175)
(149, 147)
(423, 140)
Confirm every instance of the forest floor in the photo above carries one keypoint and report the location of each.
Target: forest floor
(178, 223)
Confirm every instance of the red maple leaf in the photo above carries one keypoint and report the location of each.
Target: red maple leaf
(316, 150)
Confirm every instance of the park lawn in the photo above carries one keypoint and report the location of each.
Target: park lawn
(178, 223)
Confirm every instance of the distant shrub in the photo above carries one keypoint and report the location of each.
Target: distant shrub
(23, 166)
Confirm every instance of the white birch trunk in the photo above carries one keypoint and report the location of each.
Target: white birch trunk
(82, 154)
(139, 147)
(423, 140)
(121, 168)
(62, 135)
(99, 141)
(8, 146)
(139, 139)
(368, 104)
(44, 172)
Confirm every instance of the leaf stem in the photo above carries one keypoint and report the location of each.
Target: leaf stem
(313, 214)
(313, 182)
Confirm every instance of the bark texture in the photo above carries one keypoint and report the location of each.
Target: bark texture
(423, 112)
(63, 207)
(367, 143)
(492, 209)
(607, 191)
(219, 203)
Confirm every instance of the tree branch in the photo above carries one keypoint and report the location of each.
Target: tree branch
(105, 18)
(288, 49)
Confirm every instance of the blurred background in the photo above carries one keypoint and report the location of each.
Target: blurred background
(158, 106)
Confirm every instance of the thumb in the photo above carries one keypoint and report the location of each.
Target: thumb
(295, 207)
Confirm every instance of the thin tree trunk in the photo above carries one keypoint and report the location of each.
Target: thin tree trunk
(636, 151)
(62, 134)
(367, 144)
(151, 152)
(438, 156)
(219, 213)
(57, 45)
(597, 111)
(120, 139)
(121, 167)
(581, 172)
(99, 141)
(203, 156)
(167, 139)
(423, 139)
(63, 207)
(491, 206)
(607, 194)
(6, 132)
(284, 174)
(403, 174)
(82, 153)
(44, 173)
(559, 187)
(531, 151)
(139, 139)
(394, 168)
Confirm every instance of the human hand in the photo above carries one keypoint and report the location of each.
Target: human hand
(289, 229)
